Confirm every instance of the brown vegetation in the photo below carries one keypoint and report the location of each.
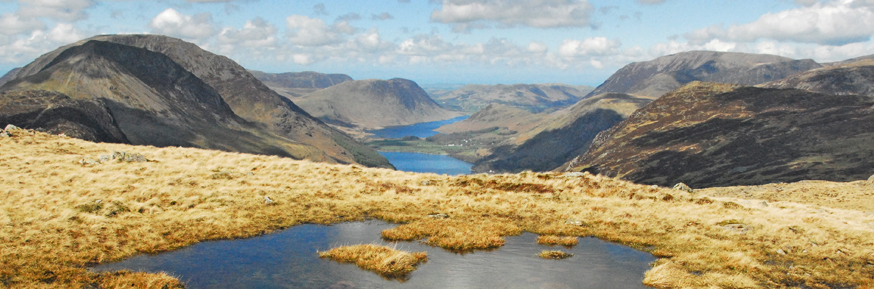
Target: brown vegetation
(52, 226)
(557, 255)
(557, 240)
(385, 261)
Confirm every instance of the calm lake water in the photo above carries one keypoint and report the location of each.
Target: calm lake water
(288, 259)
(425, 163)
(422, 130)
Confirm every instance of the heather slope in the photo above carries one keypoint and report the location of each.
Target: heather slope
(856, 78)
(707, 134)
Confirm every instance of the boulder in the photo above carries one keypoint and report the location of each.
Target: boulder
(683, 187)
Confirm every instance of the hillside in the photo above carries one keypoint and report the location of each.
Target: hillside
(707, 134)
(560, 136)
(853, 78)
(67, 207)
(167, 92)
(532, 97)
(495, 115)
(656, 77)
(373, 104)
(9, 76)
(292, 85)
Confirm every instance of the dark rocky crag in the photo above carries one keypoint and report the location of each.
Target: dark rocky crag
(164, 91)
(656, 77)
(56, 113)
(707, 134)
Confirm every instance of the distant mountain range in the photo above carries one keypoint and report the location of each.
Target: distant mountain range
(532, 97)
(296, 84)
(166, 92)
(373, 103)
(659, 76)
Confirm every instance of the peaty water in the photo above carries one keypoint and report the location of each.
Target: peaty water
(289, 259)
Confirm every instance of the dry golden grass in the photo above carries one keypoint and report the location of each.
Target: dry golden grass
(52, 227)
(557, 255)
(557, 240)
(385, 261)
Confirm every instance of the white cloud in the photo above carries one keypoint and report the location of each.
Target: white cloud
(650, 1)
(475, 14)
(60, 10)
(594, 46)
(14, 24)
(65, 33)
(171, 22)
(832, 23)
(537, 47)
(306, 31)
(255, 33)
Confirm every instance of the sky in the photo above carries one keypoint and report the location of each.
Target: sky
(578, 42)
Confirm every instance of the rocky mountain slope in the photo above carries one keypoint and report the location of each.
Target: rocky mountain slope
(166, 92)
(656, 77)
(560, 136)
(56, 113)
(707, 134)
(9, 76)
(296, 84)
(373, 103)
(532, 97)
(856, 78)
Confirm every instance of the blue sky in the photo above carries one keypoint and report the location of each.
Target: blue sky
(452, 41)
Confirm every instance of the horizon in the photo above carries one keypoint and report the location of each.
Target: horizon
(576, 42)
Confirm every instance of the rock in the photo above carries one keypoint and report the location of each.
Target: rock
(438, 216)
(3, 133)
(736, 228)
(128, 157)
(683, 187)
(267, 200)
(764, 204)
(11, 127)
(781, 252)
(573, 175)
(574, 222)
(871, 178)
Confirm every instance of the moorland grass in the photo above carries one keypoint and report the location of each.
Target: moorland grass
(550, 240)
(557, 255)
(51, 230)
(385, 261)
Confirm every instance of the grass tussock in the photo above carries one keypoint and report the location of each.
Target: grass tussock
(385, 261)
(553, 240)
(556, 255)
(59, 215)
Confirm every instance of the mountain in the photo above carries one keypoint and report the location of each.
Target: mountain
(561, 135)
(656, 77)
(166, 92)
(707, 134)
(532, 97)
(855, 78)
(296, 84)
(56, 113)
(9, 76)
(495, 115)
(373, 103)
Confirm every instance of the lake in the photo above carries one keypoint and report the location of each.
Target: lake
(289, 259)
(421, 130)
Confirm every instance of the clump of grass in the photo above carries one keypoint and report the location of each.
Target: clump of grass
(557, 255)
(557, 240)
(383, 260)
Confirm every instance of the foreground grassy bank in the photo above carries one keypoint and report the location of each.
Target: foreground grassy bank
(64, 209)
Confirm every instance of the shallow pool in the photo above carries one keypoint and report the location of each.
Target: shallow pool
(288, 259)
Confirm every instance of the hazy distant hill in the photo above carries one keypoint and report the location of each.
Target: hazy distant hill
(374, 103)
(166, 92)
(532, 97)
(295, 84)
(495, 115)
(707, 134)
(661, 75)
(9, 76)
(562, 135)
(850, 78)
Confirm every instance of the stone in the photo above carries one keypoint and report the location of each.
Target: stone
(764, 204)
(871, 178)
(781, 252)
(574, 222)
(3, 133)
(573, 175)
(128, 157)
(268, 200)
(438, 216)
(11, 127)
(683, 187)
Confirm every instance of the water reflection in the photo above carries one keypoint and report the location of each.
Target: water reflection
(422, 130)
(425, 163)
(288, 259)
